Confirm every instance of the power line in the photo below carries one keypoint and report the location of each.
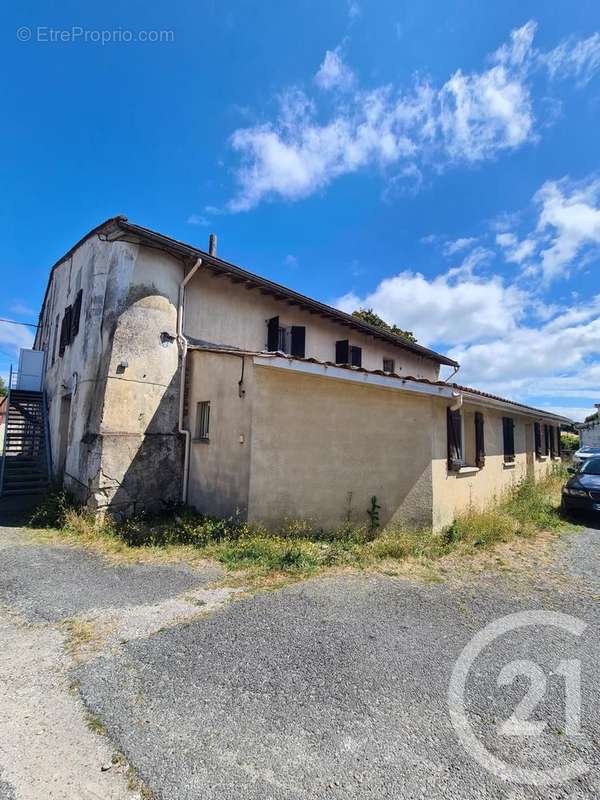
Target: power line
(14, 322)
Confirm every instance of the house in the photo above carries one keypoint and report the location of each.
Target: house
(172, 375)
(589, 432)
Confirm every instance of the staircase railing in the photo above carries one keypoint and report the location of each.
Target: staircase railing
(5, 437)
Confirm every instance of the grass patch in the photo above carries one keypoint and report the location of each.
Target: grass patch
(298, 548)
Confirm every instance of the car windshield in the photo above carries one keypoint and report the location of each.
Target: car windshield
(591, 467)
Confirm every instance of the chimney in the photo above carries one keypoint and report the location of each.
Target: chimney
(212, 244)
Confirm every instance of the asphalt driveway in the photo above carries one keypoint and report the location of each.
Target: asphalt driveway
(334, 687)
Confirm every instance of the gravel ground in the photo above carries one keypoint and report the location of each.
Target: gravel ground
(58, 606)
(338, 687)
(334, 687)
(47, 584)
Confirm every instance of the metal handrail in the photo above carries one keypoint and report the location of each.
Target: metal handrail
(5, 432)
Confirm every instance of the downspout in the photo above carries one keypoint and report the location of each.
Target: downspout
(183, 344)
(457, 402)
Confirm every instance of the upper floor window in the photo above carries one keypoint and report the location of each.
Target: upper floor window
(345, 353)
(388, 365)
(290, 339)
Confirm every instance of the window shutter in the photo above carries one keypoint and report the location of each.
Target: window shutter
(551, 433)
(273, 334)
(65, 331)
(558, 441)
(454, 430)
(298, 341)
(508, 431)
(75, 316)
(342, 352)
(546, 440)
(479, 440)
(537, 432)
(356, 356)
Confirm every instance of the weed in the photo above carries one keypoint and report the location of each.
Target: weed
(94, 724)
(300, 547)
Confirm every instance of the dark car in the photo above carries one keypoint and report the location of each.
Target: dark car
(582, 491)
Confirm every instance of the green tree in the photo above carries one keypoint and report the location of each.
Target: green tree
(368, 315)
(3, 389)
(592, 417)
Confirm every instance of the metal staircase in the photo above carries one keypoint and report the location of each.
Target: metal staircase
(25, 460)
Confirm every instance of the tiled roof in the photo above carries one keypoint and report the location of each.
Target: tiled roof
(117, 228)
(455, 386)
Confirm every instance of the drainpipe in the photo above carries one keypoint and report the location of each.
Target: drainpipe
(457, 403)
(183, 344)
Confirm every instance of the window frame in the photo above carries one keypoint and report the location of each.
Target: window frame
(389, 361)
(202, 428)
(508, 433)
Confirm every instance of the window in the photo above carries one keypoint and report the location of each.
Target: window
(55, 340)
(388, 365)
(537, 432)
(508, 434)
(345, 353)
(289, 339)
(202, 420)
(75, 316)
(456, 458)
(479, 440)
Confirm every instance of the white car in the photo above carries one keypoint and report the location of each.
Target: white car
(585, 453)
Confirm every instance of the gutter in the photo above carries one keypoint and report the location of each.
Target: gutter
(183, 344)
(355, 376)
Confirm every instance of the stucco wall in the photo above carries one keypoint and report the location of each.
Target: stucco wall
(123, 448)
(322, 448)
(220, 467)
(222, 312)
(102, 271)
(142, 451)
(455, 492)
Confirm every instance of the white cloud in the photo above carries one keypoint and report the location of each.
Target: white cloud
(333, 73)
(470, 117)
(443, 309)
(576, 413)
(573, 58)
(197, 219)
(12, 337)
(555, 360)
(22, 309)
(570, 216)
(451, 248)
(353, 10)
(514, 250)
(290, 261)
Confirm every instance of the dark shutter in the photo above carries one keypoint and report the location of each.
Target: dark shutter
(454, 429)
(552, 434)
(65, 331)
(558, 454)
(546, 440)
(273, 334)
(479, 440)
(537, 432)
(356, 356)
(298, 341)
(342, 352)
(508, 431)
(75, 316)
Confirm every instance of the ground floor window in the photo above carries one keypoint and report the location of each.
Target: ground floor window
(456, 450)
(202, 420)
(508, 431)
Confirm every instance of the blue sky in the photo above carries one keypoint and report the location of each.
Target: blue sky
(437, 161)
